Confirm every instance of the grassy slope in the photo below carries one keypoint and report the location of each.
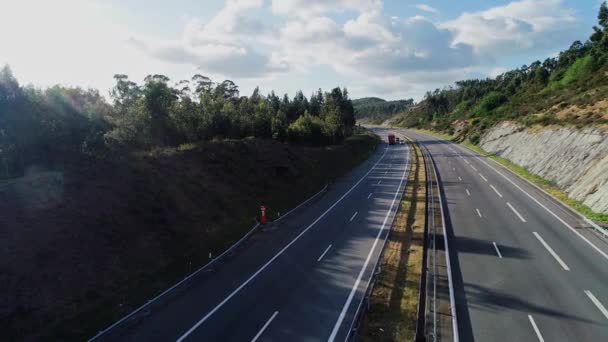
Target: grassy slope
(538, 180)
(125, 230)
(394, 301)
(574, 96)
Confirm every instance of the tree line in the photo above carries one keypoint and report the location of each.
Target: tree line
(44, 125)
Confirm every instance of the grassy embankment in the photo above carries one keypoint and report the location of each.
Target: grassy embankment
(393, 304)
(543, 183)
(124, 230)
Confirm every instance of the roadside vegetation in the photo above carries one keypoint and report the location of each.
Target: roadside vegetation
(43, 126)
(570, 89)
(375, 110)
(393, 306)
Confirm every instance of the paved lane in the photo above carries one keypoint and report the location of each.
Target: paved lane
(524, 266)
(302, 281)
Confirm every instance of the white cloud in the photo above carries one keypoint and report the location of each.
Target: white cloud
(223, 46)
(515, 27)
(303, 8)
(374, 44)
(280, 40)
(426, 8)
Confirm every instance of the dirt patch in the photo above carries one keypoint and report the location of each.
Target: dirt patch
(87, 241)
(574, 112)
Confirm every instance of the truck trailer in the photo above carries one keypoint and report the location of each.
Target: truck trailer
(391, 139)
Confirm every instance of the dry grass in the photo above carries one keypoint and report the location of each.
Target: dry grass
(394, 300)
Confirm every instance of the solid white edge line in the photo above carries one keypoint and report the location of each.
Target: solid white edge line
(353, 290)
(324, 252)
(597, 303)
(482, 177)
(516, 212)
(370, 195)
(455, 336)
(478, 212)
(496, 191)
(468, 192)
(535, 327)
(354, 215)
(597, 249)
(255, 338)
(497, 250)
(233, 293)
(552, 252)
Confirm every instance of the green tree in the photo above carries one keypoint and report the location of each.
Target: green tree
(158, 101)
(602, 16)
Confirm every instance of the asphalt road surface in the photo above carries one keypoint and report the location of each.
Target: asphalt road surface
(303, 279)
(524, 267)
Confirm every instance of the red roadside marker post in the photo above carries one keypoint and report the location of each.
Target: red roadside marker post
(263, 216)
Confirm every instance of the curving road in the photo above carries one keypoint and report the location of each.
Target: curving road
(525, 268)
(301, 279)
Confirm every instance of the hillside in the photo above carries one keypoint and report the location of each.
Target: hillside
(377, 110)
(103, 204)
(548, 119)
(104, 236)
(569, 90)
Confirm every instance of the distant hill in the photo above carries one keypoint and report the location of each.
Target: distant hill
(377, 110)
(568, 90)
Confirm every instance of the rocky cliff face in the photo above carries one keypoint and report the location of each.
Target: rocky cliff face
(576, 160)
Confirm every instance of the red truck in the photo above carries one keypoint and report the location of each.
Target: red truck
(391, 139)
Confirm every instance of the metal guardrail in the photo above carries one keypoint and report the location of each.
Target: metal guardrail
(431, 282)
(152, 301)
(133, 314)
(422, 298)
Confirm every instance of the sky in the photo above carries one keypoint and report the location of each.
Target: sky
(392, 49)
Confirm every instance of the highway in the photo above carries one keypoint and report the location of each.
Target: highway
(525, 268)
(301, 279)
